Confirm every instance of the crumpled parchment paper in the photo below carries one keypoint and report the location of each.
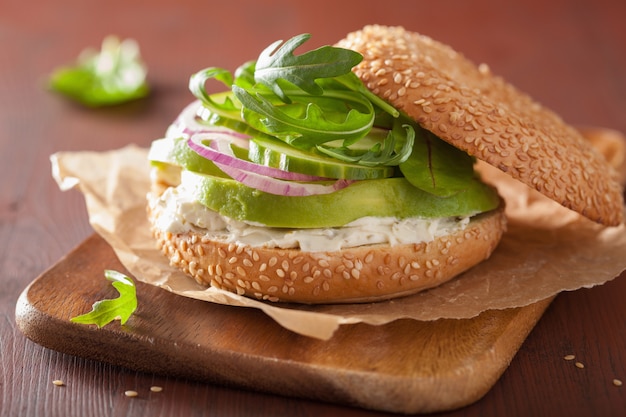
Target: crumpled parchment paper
(546, 250)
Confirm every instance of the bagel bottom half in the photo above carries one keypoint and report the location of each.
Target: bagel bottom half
(351, 275)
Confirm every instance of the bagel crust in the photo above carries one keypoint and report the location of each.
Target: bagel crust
(360, 274)
(469, 107)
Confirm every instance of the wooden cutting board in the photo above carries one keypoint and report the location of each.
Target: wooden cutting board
(406, 366)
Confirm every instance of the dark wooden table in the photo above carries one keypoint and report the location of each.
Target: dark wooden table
(569, 55)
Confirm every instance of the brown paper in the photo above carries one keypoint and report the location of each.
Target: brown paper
(546, 250)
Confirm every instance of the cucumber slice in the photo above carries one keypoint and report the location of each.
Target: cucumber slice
(389, 197)
(276, 153)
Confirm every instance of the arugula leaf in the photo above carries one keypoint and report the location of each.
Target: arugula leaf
(277, 62)
(244, 75)
(393, 150)
(354, 83)
(315, 103)
(310, 121)
(437, 167)
(105, 311)
(197, 87)
(113, 75)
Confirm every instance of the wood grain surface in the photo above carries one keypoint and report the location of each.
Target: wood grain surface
(406, 366)
(569, 55)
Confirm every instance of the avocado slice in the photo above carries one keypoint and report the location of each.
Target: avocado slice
(388, 197)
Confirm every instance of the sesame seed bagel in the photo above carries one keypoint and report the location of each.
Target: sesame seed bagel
(480, 113)
(359, 274)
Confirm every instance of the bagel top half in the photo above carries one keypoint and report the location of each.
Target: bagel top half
(470, 108)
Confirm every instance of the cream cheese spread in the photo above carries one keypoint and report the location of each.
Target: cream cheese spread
(179, 213)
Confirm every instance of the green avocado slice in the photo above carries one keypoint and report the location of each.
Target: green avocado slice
(175, 151)
(389, 197)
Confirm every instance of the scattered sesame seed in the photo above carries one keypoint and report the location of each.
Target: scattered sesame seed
(617, 382)
(131, 393)
(579, 365)
(155, 388)
(58, 383)
(569, 357)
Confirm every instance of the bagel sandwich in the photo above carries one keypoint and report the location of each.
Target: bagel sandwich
(346, 174)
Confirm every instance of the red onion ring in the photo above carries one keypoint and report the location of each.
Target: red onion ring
(277, 186)
(219, 151)
(261, 177)
(189, 122)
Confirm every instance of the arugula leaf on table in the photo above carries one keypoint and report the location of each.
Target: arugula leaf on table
(105, 311)
(113, 75)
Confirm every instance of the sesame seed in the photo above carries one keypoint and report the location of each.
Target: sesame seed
(131, 393)
(569, 357)
(58, 383)
(155, 388)
(617, 382)
(579, 365)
